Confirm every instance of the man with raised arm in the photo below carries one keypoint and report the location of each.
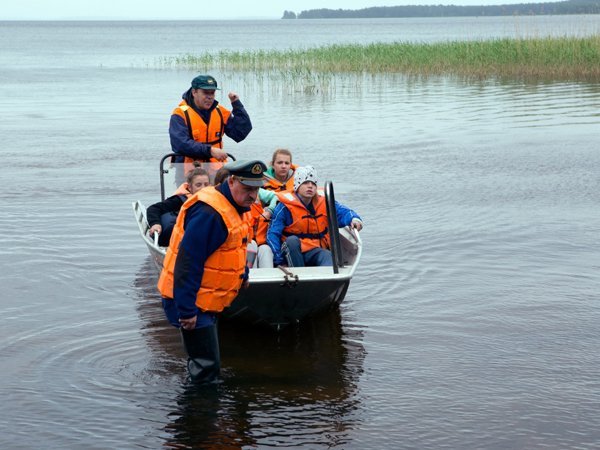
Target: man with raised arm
(199, 123)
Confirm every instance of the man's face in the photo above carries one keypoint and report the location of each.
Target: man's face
(203, 98)
(243, 195)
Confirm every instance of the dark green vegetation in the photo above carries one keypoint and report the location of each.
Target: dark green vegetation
(564, 58)
(557, 8)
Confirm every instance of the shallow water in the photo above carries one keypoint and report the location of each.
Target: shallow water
(471, 322)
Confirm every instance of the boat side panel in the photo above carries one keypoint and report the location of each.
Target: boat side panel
(280, 304)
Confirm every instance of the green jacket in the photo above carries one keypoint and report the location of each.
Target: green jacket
(268, 199)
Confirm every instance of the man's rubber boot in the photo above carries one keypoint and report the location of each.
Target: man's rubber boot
(202, 347)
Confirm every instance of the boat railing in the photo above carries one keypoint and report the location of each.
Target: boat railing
(163, 171)
(169, 162)
(334, 231)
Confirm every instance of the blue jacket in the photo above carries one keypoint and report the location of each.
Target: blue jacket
(237, 128)
(282, 218)
(205, 232)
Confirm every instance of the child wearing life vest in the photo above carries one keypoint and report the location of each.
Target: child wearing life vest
(298, 233)
(162, 215)
(280, 175)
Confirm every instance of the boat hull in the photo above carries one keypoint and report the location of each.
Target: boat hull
(283, 302)
(278, 297)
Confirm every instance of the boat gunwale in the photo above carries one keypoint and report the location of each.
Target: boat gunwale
(345, 273)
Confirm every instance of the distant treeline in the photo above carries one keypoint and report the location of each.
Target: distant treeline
(557, 8)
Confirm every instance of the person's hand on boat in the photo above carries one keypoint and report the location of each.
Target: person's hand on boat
(356, 224)
(246, 284)
(233, 97)
(156, 228)
(188, 324)
(218, 153)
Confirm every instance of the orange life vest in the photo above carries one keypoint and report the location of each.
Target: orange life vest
(183, 189)
(211, 133)
(311, 229)
(258, 224)
(273, 184)
(224, 269)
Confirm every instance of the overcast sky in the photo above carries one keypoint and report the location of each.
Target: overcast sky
(196, 9)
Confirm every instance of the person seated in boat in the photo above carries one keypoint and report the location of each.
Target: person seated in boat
(280, 175)
(204, 267)
(221, 175)
(298, 233)
(162, 215)
(259, 253)
(199, 122)
(259, 218)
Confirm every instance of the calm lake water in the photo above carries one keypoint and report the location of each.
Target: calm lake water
(472, 321)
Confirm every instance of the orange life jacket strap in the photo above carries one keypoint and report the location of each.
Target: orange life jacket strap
(189, 125)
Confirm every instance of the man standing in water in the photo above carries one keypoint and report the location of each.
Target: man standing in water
(205, 264)
(199, 122)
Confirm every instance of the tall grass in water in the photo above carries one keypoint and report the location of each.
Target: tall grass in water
(562, 58)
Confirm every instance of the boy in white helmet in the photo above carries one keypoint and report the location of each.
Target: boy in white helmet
(298, 230)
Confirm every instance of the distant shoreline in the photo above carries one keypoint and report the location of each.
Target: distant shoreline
(567, 7)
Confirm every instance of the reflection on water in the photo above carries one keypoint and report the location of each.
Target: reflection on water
(298, 386)
(166, 354)
(471, 321)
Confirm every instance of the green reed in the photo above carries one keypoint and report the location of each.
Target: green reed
(560, 58)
